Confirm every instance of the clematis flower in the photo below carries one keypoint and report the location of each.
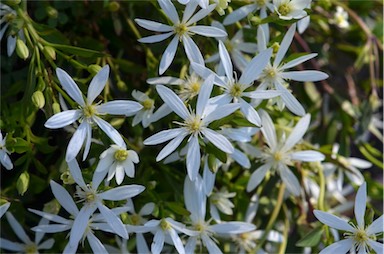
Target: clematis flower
(340, 18)
(88, 113)
(279, 154)
(360, 238)
(183, 30)
(4, 157)
(291, 9)
(144, 115)
(195, 125)
(243, 11)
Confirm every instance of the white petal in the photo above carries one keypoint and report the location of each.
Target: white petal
(119, 175)
(223, 112)
(4, 208)
(255, 67)
(218, 140)
(262, 94)
(204, 94)
(297, 132)
(104, 163)
(165, 80)
(333, 221)
(111, 132)
(97, 84)
(360, 204)
(17, 228)
(171, 146)
(76, 173)
(238, 14)
(268, 129)
(11, 45)
(129, 169)
(168, 55)
(290, 180)
(201, 14)
(176, 241)
(233, 227)
(8, 245)
(64, 198)
(62, 119)
(122, 192)
(51, 217)
(190, 246)
(208, 178)
(163, 136)
(158, 242)
(241, 158)
(173, 101)
(170, 10)
(80, 225)
(307, 156)
(210, 245)
(376, 246)
(303, 24)
(147, 209)
(298, 61)
(304, 75)
(46, 245)
(88, 140)
(113, 221)
(189, 9)
(257, 176)
(96, 244)
(376, 226)
(225, 60)
(97, 178)
(192, 51)
(359, 163)
(52, 228)
(155, 38)
(290, 101)
(76, 141)
(193, 158)
(340, 247)
(285, 44)
(249, 112)
(70, 86)
(208, 31)
(194, 198)
(153, 25)
(120, 107)
(5, 160)
(204, 72)
(261, 42)
(141, 244)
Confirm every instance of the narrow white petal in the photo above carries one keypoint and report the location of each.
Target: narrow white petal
(113, 221)
(340, 247)
(119, 175)
(290, 180)
(204, 94)
(360, 204)
(208, 31)
(122, 192)
(233, 227)
(308, 155)
(257, 176)
(5, 160)
(189, 9)
(170, 10)
(168, 55)
(171, 146)
(285, 44)
(255, 67)
(376, 226)
(80, 225)
(141, 244)
(96, 245)
(176, 241)
(297, 132)
(76, 173)
(165, 81)
(17, 228)
(249, 112)
(304, 75)
(51, 217)
(290, 101)
(173, 101)
(11, 44)
(190, 246)
(192, 51)
(247, 47)
(261, 42)
(210, 245)
(262, 94)
(241, 158)
(153, 25)
(268, 129)
(333, 221)
(4, 208)
(76, 141)
(97, 84)
(238, 14)
(224, 111)
(52, 228)
(194, 198)
(163, 136)
(376, 246)
(155, 38)
(104, 163)
(120, 107)
(298, 61)
(62, 119)
(158, 242)
(201, 14)
(64, 198)
(70, 86)
(204, 72)
(209, 179)
(97, 178)
(129, 169)
(46, 245)
(147, 209)
(111, 132)
(193, 158)
(218, 140)
(8, 245)
(88, 139)
(225, 60)
(359, 163)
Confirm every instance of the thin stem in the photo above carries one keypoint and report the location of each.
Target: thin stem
(322, 189)
(283, 245)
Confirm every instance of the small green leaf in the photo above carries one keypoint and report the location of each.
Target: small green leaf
(22, 183)
(311, 239)
(177, 208)
(77, 51)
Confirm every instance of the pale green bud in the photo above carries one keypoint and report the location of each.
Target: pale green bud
(52, 207)
(38, 99)
(22, 183)
(56, 108)
(122, 86)
(93, 69)
(52, 12)
(113, 6)
(50, 52)
(22, 49)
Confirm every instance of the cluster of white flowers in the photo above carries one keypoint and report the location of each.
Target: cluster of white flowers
(200, 100)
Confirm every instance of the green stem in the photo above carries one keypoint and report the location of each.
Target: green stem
(283, 245)
(322, 189)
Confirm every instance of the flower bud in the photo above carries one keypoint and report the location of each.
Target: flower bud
(56, 108)
(38, 99)
(49, 51)
(52, 207)
(122, 86)
(22, 183)
(40, 84)
(52, 12)
(93, 69)
(113, 6)
(22, 49)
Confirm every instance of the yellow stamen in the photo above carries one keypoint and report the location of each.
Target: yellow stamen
(121, 155)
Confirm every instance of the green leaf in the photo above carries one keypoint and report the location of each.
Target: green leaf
(22, 183)
(311, 239)
(77, 51)
(19, 145)
(211, 149)
(177, 208)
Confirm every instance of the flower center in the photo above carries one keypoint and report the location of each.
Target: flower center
(147, 104)
(88, 196)
(236, 90)
(360, 236)
(165, 225)
(284, 9)
(121, 155)
(191, 87)
(278, 156)
(31, 248)
(200, 227)
(181, 29)
(89, 111)
(135, 219)
(193, 124)
(260, 3)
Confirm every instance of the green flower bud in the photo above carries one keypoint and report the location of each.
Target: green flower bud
(22, 49)
(122, 86)
(22, 183)
(113, 6)
(38, 99)
(49, 51)
(56, 108)
(93, 69)
(40, 84)
(52, 207)
(52, 12)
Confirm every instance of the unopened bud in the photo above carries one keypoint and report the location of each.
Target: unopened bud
(50, 52)
(52, 12)
(56, 108)
(22, 183)
(21, 49)
(255, 20)
(113, 6)
(67, 178)
(52, 207)
(122, 86)
(41, 84)
(275, 47)
(93, 69)
(38, 99)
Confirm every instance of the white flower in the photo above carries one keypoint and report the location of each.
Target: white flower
(219, 200)
(183, 30)
(195, 125)
(88, 113)
(275, 75)
(27, 245)
(145, 114)
(202, 231)
(7, 15)
(243, 11)
(360, 238)
(117, 161)
(340, 18)
(235, 90)
(291, 9)
(279, 154)
(4, 157)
